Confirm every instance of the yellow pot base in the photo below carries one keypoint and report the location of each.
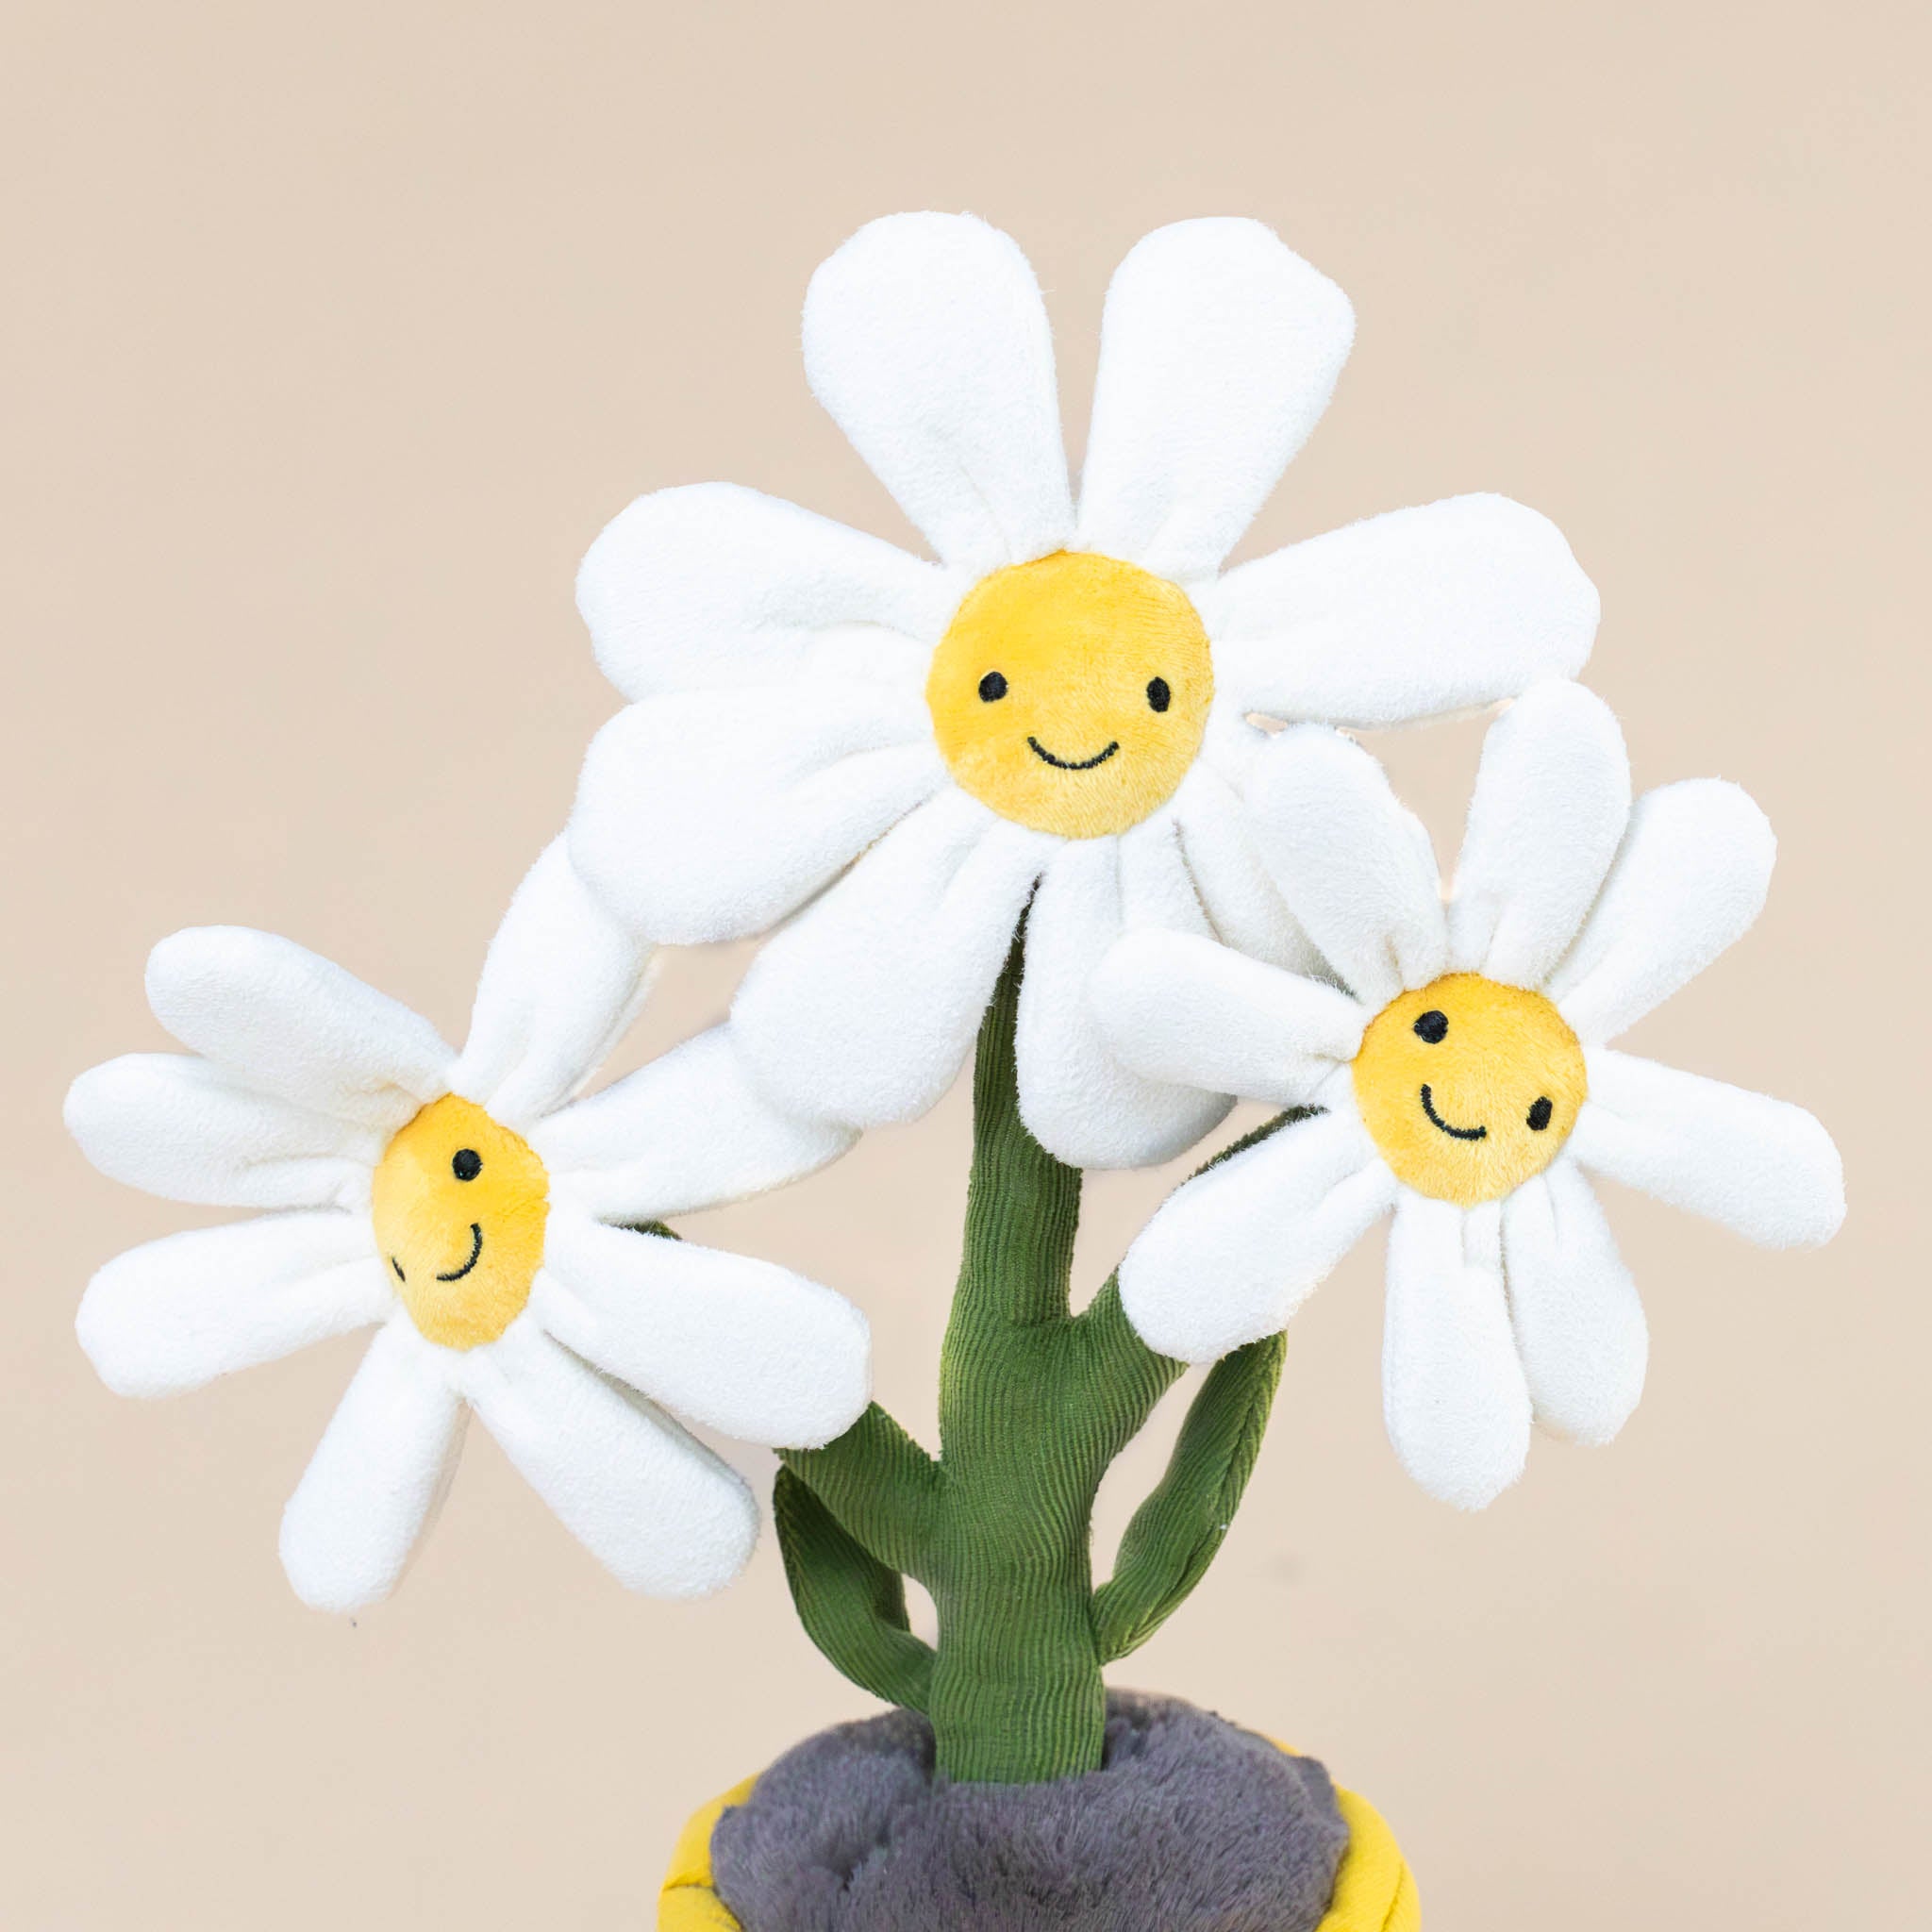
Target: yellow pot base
(1375, 1891)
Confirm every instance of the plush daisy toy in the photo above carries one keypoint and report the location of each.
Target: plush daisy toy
(460, 1204)
(1074, 792)
(1058, 713)
(1464, 1081)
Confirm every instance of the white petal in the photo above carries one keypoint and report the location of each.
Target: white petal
(739, 1345)
(1579, 1326)
(1219, 350)
(709, 815)
(378, 1478)
(1231, 1255)
(1179, 1007)
(686, 1132)
(186, 1130)
(561, 986)
(1453, 1395)
(182, 1310)
(296, 1024)
(865, 1006)
(1761, 1167)
(926, 340)
(654, 1506)
(1352, 861)
(713, 584)
(1551, 799)
(1081, 1102)
(1688, 879)
(1242, 904)
(1402, 616)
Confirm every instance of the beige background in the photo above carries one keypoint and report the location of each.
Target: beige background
(332, 335)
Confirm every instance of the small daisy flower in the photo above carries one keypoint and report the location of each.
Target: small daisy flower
(1059, 714)
(1465, 1082)
(460, 1204)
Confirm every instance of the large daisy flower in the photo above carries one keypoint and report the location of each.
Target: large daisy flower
(461, 1203)
(1465, 1082)
(1060, 712)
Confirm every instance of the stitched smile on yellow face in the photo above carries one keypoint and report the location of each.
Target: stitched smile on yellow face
(1469, 1086)
(1070, 694)
(459, 1205)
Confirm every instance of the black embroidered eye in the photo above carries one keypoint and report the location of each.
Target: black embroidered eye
(466, 1164)
(1540, 1114)
(1432, 1026)
(993, 687)
(1158, 696)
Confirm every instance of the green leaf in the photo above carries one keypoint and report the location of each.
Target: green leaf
(1175, 1532)
(880, 1486)
(852, 1606)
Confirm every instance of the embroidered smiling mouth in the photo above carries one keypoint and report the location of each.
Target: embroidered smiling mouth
(476, 1254)
(1458, 1133)
(456, 1274)
(1099, 758)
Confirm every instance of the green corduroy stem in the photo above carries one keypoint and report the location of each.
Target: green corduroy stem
(1035, 1405)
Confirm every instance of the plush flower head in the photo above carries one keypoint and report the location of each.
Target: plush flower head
(1464, 1081)
(461, 1203)
(1056, 714)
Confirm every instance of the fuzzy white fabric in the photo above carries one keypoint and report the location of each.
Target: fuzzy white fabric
(760, 799)
(191, 1130)
(1503, 1310)
(778, 752)
(308, 1071)
(1550, 801)
(660, 1511)
(1070, 1087)
(307, 1031)
(531, 1046)
(1416, 613)
(716, 585)
(1453, 1398)
(681, 1134)
(1198, 1015)
(1233, 1254)
(729, 1343)
(864, 1007)
(1244, 909)
(1354, 862)
(1179, 458)
(1761, 1167)
(927, 342)
(1579, 1324)
(182, 1310)
(1689, 880)
(378, 1477)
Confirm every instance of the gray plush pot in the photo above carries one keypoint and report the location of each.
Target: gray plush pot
(1191, 1823)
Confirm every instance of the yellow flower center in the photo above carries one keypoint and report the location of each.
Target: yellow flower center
(1070, 694)
(459, 1205)
(1469, 1086)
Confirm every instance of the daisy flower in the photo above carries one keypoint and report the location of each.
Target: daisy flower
(460, 1204)
(1465, 1082)
(900, 758)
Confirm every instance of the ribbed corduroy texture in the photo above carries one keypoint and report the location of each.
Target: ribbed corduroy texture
(1034, 1404)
